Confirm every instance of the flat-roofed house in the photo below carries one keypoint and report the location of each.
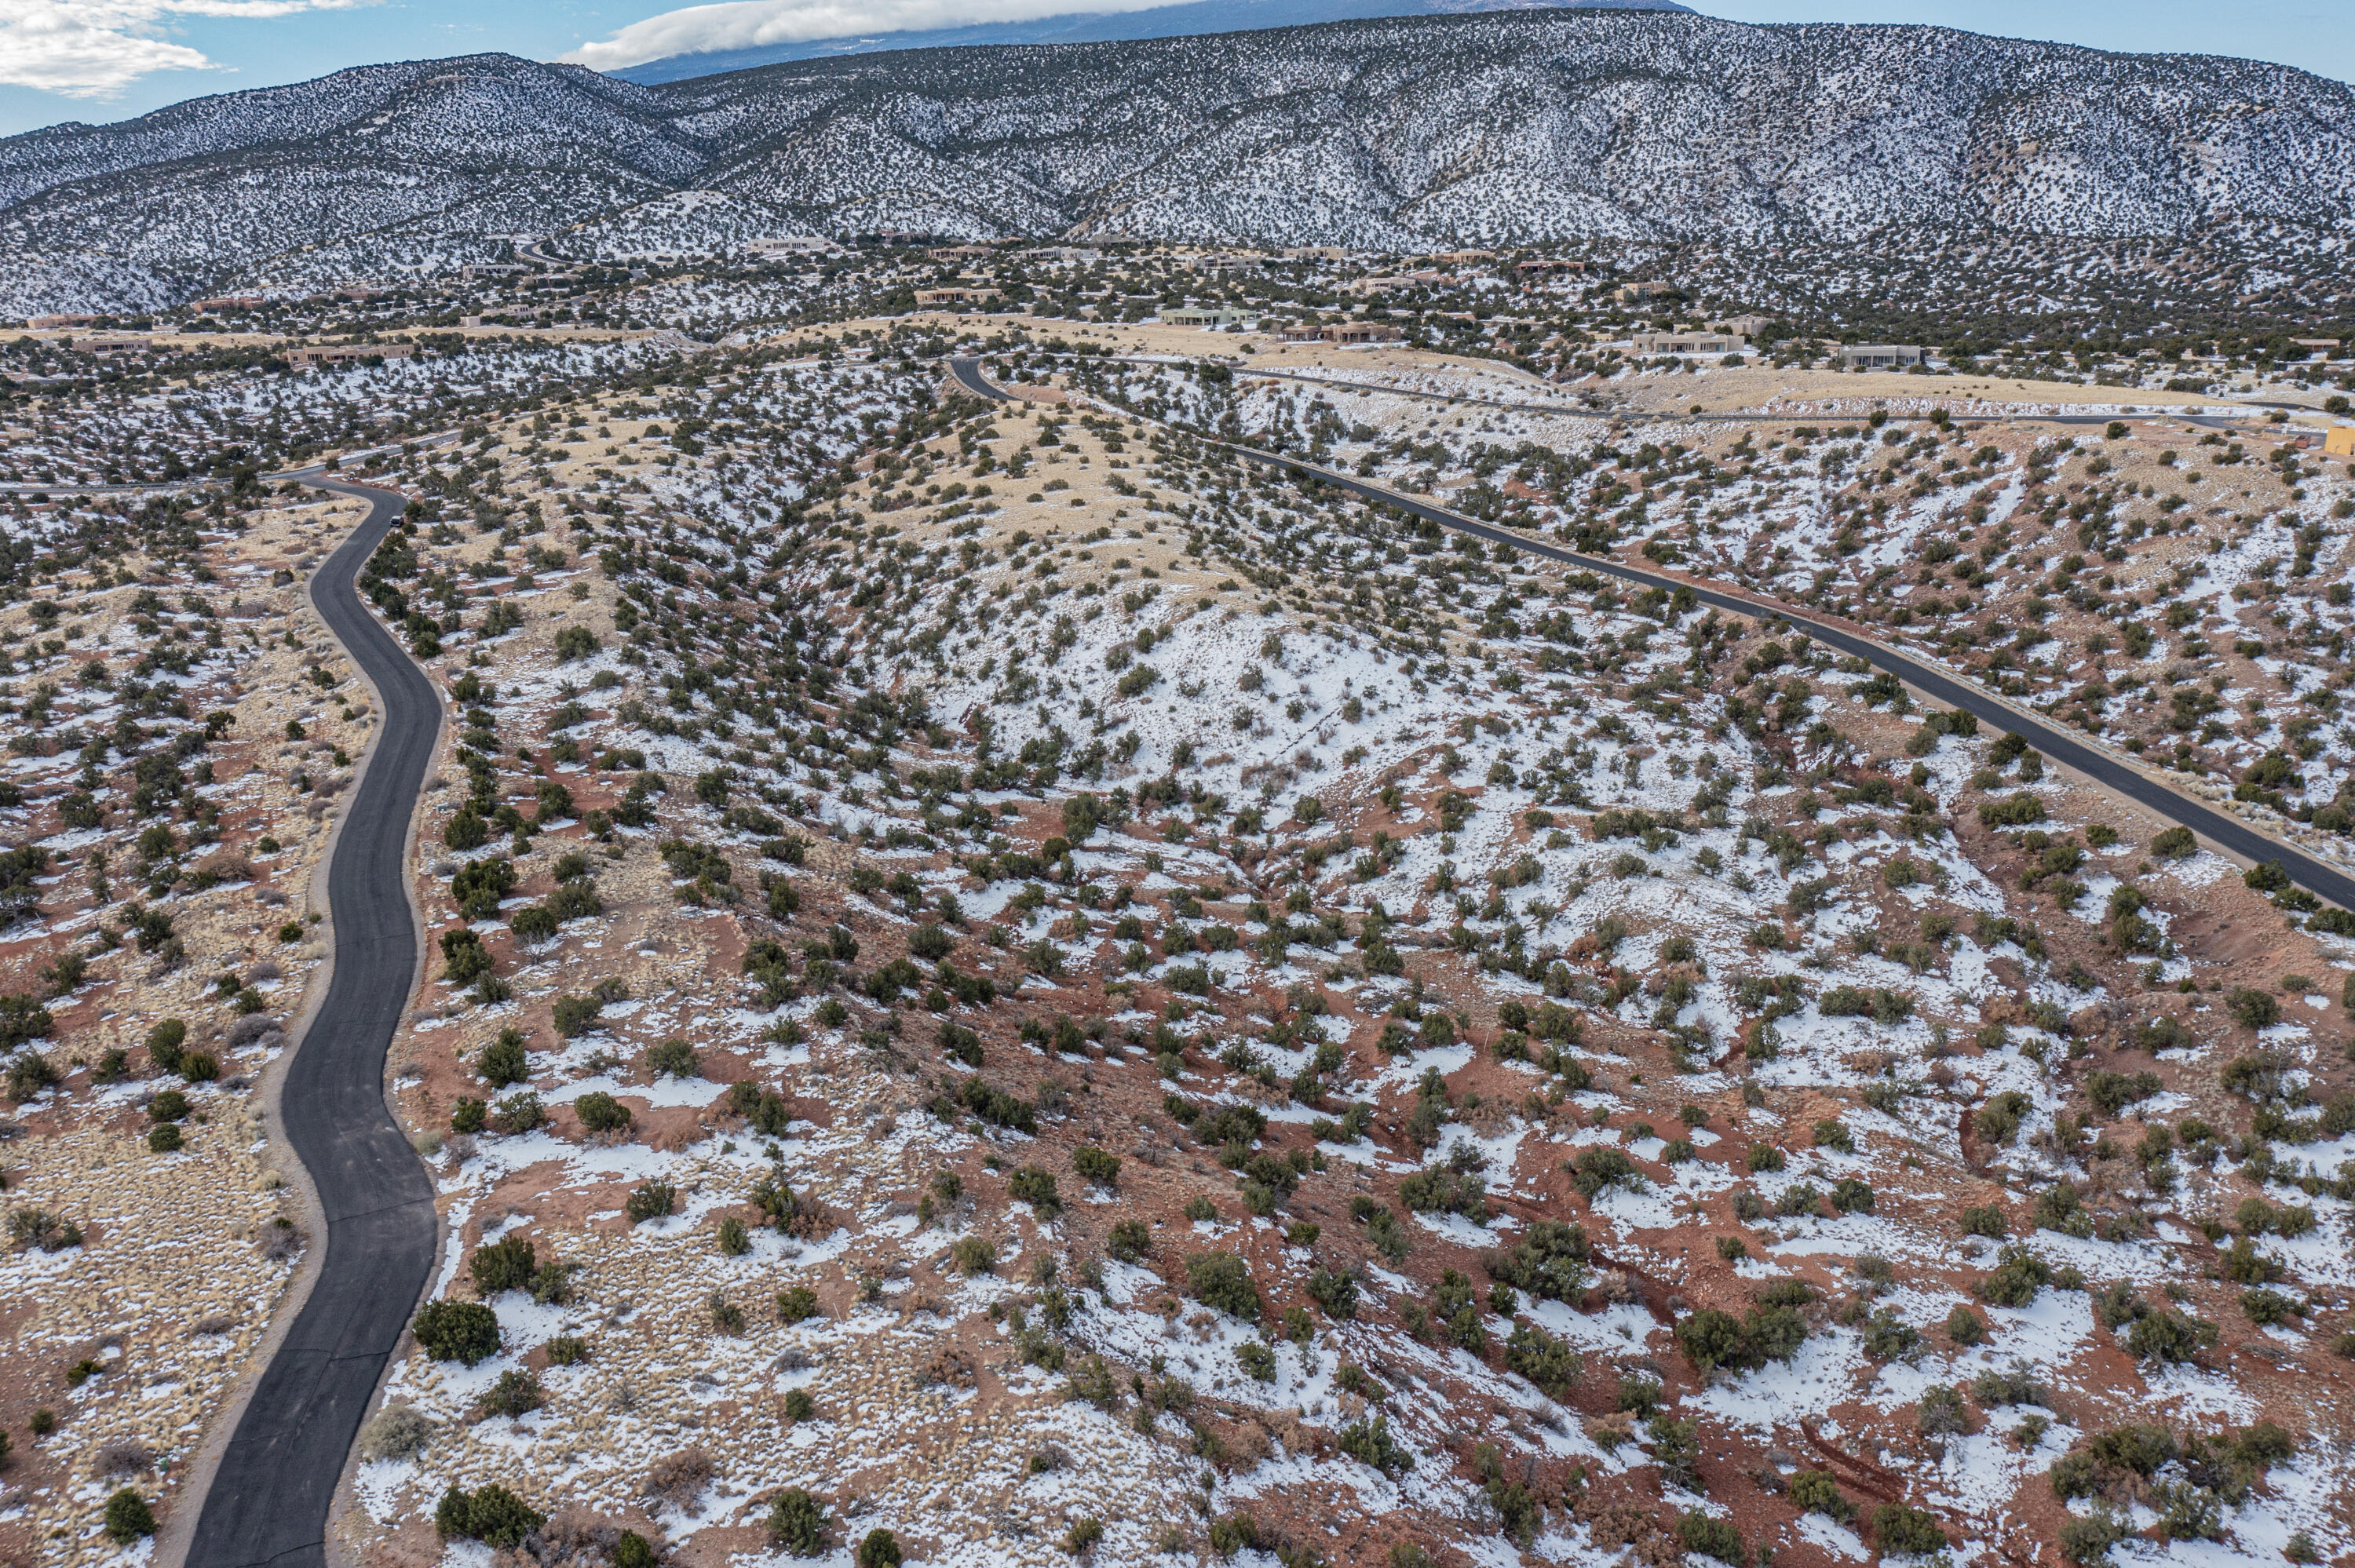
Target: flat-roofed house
(1879, 355)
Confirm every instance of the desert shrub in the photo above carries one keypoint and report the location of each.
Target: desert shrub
(398, 1431)
(31, 1072)
(2014, 1384)
(1092, 1164)
(1549, 1262)
(517, 1113)
(2088, 1540)
(165, 1138)
(464, 1332)
(1711, 1537)
(733, 1240)
(1036, 1188)
(2019, 1274)
(507, 1264)
(1888, 1336)
(576, 1015)
(677, 1479)
(1899, 1530)
(674, 1058)
(797, 1303)
(503, 1061)
(1988, 1221)
(1713, 1338)
(1370, 1443)
(651, 1199)
(879, 1549)
(1222, 1280)
(1941, 1412)
(516, 1393)
(2168, 1336)
(1550, 1363)
(494, 1516)
(2254, 1007)
(1129, 1240)
(128, 1518)
(797, 1523)
(974, 1255)
(1814, 1491)
(2264, 1308)
(600, 1112)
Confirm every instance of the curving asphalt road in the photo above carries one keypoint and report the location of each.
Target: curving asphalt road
(2322, 880)
(269, 1498)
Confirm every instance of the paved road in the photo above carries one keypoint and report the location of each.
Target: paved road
(969, 377)
(2323, 881)
(269, 1499)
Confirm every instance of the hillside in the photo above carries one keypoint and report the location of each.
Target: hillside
(1642, 128)
(1194, 18)
(1008, 984)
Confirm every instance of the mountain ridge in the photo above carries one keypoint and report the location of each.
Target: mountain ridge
(1195, 18)
(1524, 127)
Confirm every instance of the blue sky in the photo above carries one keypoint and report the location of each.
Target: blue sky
(111, 60)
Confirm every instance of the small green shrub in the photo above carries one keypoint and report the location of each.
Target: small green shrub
(651, 1199)
(1815, 1492)
(600, 1112)
(1222, 1280)
(797, 1523)
(128, 1518)
(464, 1332)
(1899, 1530)
(494, 1516)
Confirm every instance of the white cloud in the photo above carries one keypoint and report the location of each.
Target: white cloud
(94, 49)
(747, 24)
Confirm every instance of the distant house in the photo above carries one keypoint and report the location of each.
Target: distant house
(1531, 269)
(1879, 355)
(1742, 326)
(1204, 316)
(226, 302)
(1639, 293)
(962, 294)
(43, 323)
(2339, 440)
(793, 244)
(347, 353)
(962, 253)
(1686, 342)
(1388, 281)
(1364, 331)
(112, 344)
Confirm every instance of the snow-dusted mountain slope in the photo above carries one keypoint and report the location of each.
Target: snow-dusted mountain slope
(1192, 18)
(1531, 126)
